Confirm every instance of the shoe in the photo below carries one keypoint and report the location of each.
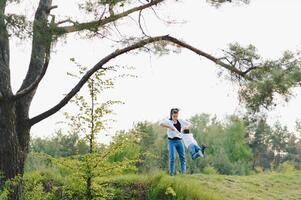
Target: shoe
(203, 149)
(195, 156)
(201, 155)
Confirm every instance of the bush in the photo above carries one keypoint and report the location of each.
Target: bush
(41, 185)
(259, 169)
(159, 187)
(37, 161)
(50, 185)
(179, 187)
(209, 170)
(286, 167)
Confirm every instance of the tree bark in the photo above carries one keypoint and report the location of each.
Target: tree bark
(5, 87)
(89, 188)
(12, 154)
(14, 126)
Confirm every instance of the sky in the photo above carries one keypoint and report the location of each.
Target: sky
(182, 80)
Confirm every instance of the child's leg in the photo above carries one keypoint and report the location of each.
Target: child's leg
(199, 150)
(193, 150)
(203, 149)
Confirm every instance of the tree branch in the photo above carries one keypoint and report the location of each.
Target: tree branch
(51, 8)
(5, 85)
(118, 52)
(96, 24)
(35, 83)
(66, 21)
(140, 25)
(41, 44)
(250, 69)
(206, 55)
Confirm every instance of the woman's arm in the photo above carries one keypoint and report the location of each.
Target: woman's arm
(185, 124)
(165, 124)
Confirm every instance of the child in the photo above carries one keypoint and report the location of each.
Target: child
(194, 149)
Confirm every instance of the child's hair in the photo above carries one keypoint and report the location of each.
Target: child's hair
(186, 131)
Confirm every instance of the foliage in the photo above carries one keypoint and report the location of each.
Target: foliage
(91, 116)
(65, 177)
(235, 146)
(209, 170)
(18, 25)
(90, 120)
(60, 145)
(259, 139)
(8, 185)
(286, 167)
(161, 186)
(229, 154)
(153, 155)
(228, 151)
(261, 186)
(97, 7)
(218, 3)
(266, 78)
(88, 161)
(273, 145)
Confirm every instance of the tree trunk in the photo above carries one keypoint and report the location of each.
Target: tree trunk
(13, 147)
(14, 125)
(91, 141)
(255, 159)
(89, 188)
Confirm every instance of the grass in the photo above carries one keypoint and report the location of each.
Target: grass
(265, 186)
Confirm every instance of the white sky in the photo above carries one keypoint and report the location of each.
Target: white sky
(176, 80)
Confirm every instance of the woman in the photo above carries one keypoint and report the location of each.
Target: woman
(174, 127)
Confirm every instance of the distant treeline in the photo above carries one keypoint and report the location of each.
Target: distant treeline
(238, 146)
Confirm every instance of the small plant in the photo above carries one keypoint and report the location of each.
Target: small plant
(209, 170)
(286, 167)
(7, 186)
(170, 192)
(259, 169)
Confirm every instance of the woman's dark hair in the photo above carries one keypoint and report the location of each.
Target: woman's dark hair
(173, 111)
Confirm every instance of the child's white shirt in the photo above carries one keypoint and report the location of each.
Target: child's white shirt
(188, 139)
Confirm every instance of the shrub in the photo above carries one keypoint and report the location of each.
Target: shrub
(179, 187)
(209, 170)
(286, 167)
(48, 184)
(259, 169)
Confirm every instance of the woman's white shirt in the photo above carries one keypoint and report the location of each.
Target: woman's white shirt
(170, 133)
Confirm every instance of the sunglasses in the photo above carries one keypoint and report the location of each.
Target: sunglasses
(174, 110)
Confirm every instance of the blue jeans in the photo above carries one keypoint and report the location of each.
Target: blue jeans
(194, 151)
(172, 146)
